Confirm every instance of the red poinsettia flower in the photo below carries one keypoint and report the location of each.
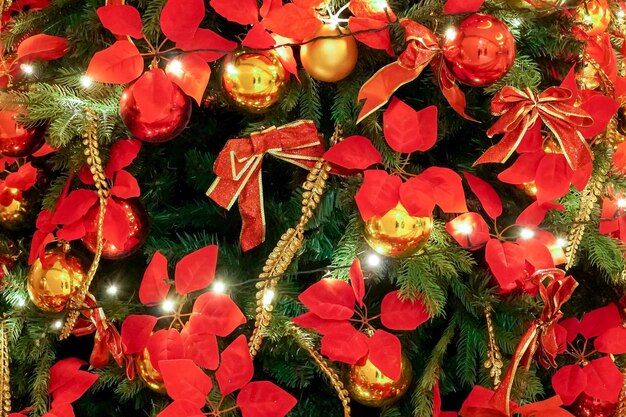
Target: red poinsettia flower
(613, 217)
(67, 384)
(372, 15)
(331, 304)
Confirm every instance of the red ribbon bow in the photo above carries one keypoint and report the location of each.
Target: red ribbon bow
(422, 49)
(238, 168)
(519, 111)
(540, 338)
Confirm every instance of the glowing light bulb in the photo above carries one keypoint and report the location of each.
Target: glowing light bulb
(560, 242)
(268, 297)
(526, 233)
(621, 203)
(379, 5)
(451, 33)
(231, 69)
(27, 69)
(620, 14)
(112, 290)
(85, 81)
(373, 260)
(176, 67)
(219, 286)
(168, 306)
(57, 324)
(516, 22)
(465, 228)
(20, 302)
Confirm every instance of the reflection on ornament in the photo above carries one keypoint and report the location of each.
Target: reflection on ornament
(588, 77)
(481, 51)
(530, 188)
(53, 280)
(254, 81)
(150, 376)
(595, 16)
(586, 406)
(368, 386)
(173, 120)
(17, 141)
(329, 60)
(14, 216)
(397, 233)
(134, 237)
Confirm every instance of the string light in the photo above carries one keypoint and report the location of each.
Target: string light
(176, 67)
(85, 81)
(333, 19)
(27, 69)
(168, 306)
(219, 286)
(526, 233)
(451, 33)
(57, 324)
(268, 297)
(112, 290)
(464, 228)
(373, 260)
(379, 5)
(516, 22)
(20, 302)
(620, 14)
(621, 203)
(561, 242)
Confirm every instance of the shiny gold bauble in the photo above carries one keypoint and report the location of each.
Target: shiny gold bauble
(14, 215)
(588, 77)
(150, 376)
(254, 81)
(595, 16)
(329, 60)
(621, 120)
(54, 279)
(530, 188)
(397, 233)
(368, 386)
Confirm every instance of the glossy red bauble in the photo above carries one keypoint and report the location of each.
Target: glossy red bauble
(174, 116)
(586, 406)
(133, 239)
(480, 51)
(15, 140)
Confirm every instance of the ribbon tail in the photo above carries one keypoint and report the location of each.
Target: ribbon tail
(502, 150)
(252, 212)
(451, 91)
(378, 89)
(575, 148)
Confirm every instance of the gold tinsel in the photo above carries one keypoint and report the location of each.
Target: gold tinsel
(5, 375)
(494, 357)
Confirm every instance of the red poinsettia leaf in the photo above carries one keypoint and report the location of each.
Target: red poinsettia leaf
(604, 379)
(125, 185)
(23, 179)
(60, 409)
(379, 193)
(569, 382)
(397, 313)
(310, 320)
(612, 341)
(330, 299)
(446, 188)
(41, 46)
(552, 243)
(136, 330)
(417, 197)
(74, 206)
(121, 20)
(200, 343)
(185, 381)
(258, 38)
(44, 150)
(165, 345)
(487, 196)
(536, 253)
(571, 326)
(291, 21)
(599, 320)
(546, 408)
(353, 153)
(72, 231)
(62, 372)
(609, 223)
(581, 176)
(264, 399)
(285, 55)
(85, 175)
(372, 9)
(191, 73)
(75, 386)
(379, 39)
(357, 282)
(553, 177)
(244, 12)
(507, 263)
(477, 403)
(181, 408)
(223, 314)
(180, 19)
(196, 270)
(116, 224)
(268, 5)
(121, 155)
(407, 130)
(154, 287)
(348, 346)
(386, 353)
(149, 91)
(207, 39)
(462, 6)
(38, 245)
(601, 108)
(236, 369)
(534, 214)
(524, 169)
(121, 63)
(619, 157)
(469, 229)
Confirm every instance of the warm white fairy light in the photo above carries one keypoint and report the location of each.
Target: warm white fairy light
(451, 33)
(112, 290)
(57, 324)
(516, 22)
(27, 69)
(168, 306)
(464, 228)
(218, 286)
(20, 302)
(379, 5)
(526, 233)
(620, 14)
(176, 67)
(373, 260)
(560, 242)
(333, 19)
(85, 81)
(621, 203)
(268, 297)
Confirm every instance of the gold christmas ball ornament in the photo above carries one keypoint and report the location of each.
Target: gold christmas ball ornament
(397, 233)
(53, 279)
(588, 77)
(14, 215)
(150, 376)
(254, 81)
(530, 188)
(368, 386)
(330, 59)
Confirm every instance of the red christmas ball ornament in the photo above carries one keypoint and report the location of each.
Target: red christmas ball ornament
(16, 140)
(174, 116)
(586, 406)
(480, 51)
(133, 239)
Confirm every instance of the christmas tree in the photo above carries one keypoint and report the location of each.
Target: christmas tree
(429, 200)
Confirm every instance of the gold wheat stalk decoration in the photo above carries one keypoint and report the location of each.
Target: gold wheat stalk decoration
(5, 373)
(494, 357)
(90, 140)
